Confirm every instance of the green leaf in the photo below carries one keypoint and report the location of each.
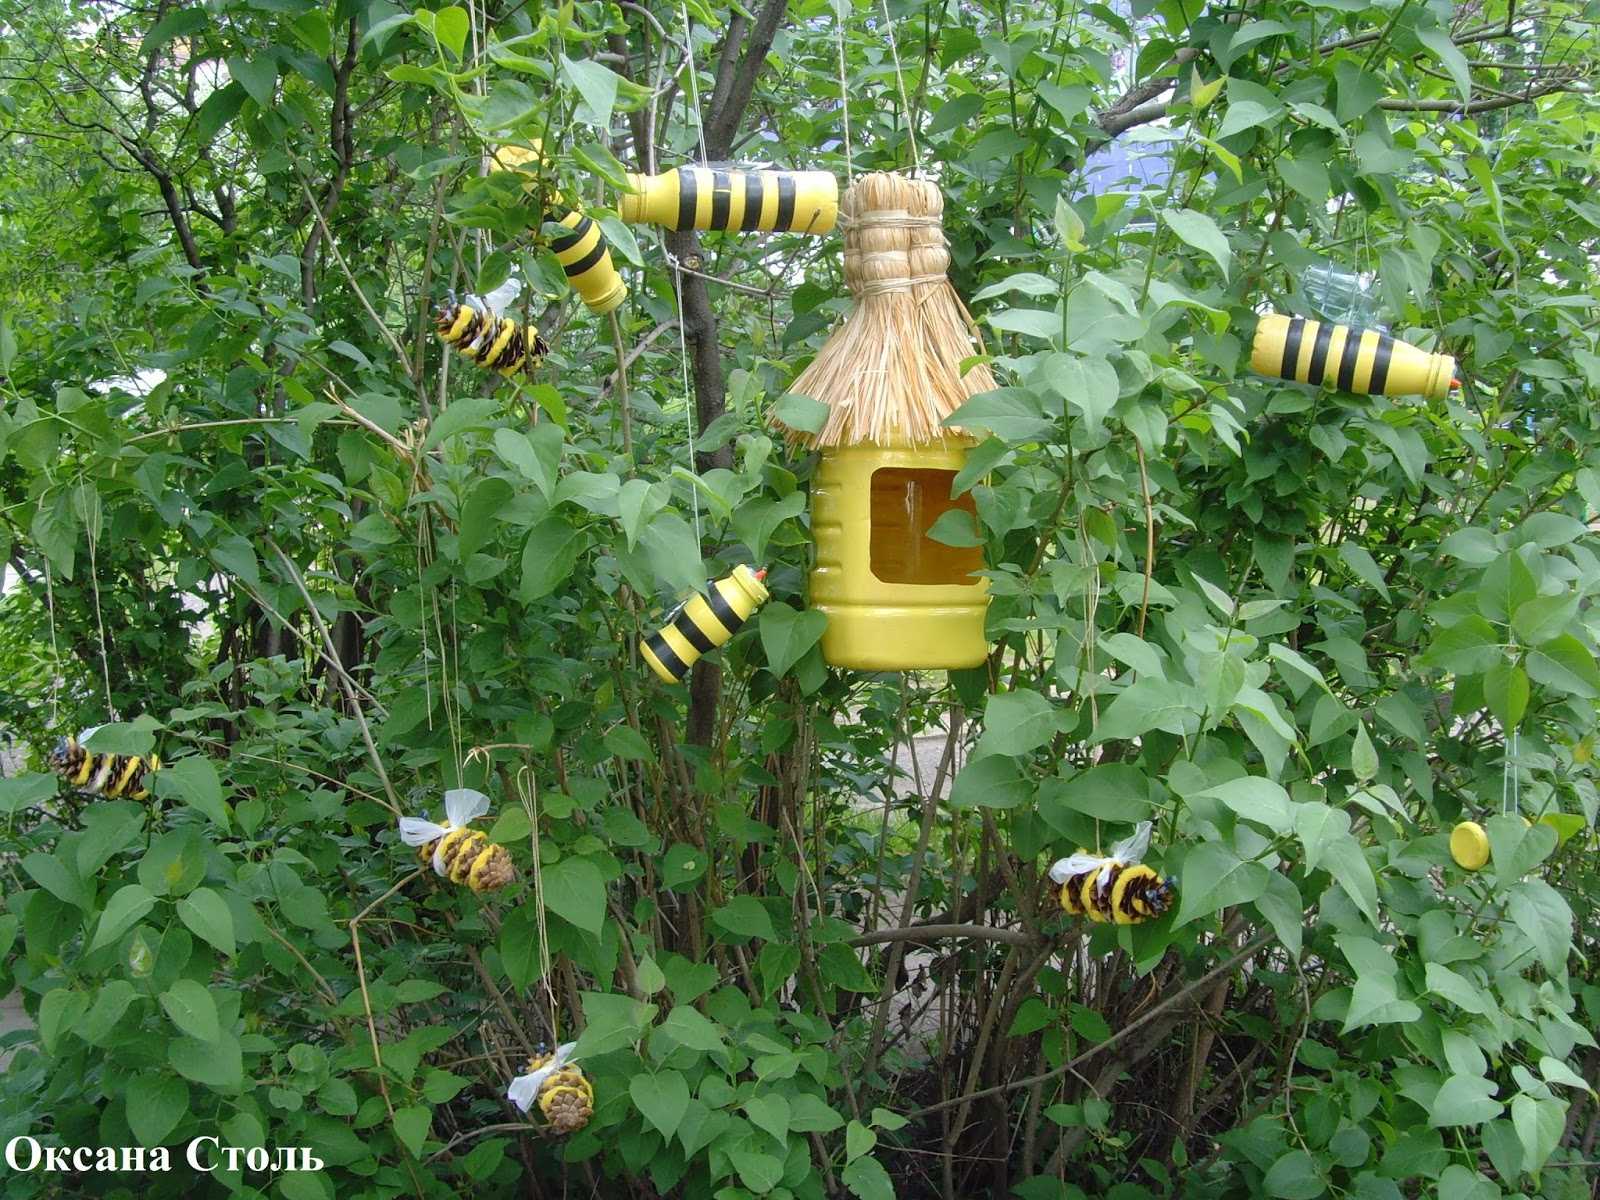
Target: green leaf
(787, 634)
(1465, 648)
(411, 1125)
(597, 85)
(1544, 617)
(1465, 1100)
(745, 917)
(112, 1000)
(955, 527)
(637, 502)
(1505, 587)
(858, 1140)
(1017, 722)
(660, 1099)
(1450, 58)
(450, 27)
(190, 1007)
(193, 781)
(484, 504)
(682, 864)
(1505, 691)
(24, 791)
(207, 915)
(464, 415)
(1284, 910)
(1201, 232)
(1255, 798)
(1294, 1176)
(536, 455)
(1543, 915)
(1445, 983)
(611, 1022)
(1566, 664)
(1214, 877)
(1539, 1125)
(801, 413)
(180, 24)
(258, 77)
(757, 1171)
(1363, 756)
(218, 1064)
(548, 557)
(1011, 414)
(155, 1105)
(125, 907)
(993, 782)
(57, 878)
(769, 1112)
(1108, 792)
(575, 891)
(867, 1180)
(59, 1013)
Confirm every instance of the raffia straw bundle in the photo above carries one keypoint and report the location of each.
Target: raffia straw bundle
(891, 371)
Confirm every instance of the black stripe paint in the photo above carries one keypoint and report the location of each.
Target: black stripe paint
(755, 198)
(785, 216)
(721, 198)
(1291, 347)
(588, 261)
(1319, 353)
(688, 197)
(693, 634)
(566, 242)
(1380, 365)
(1347, 361)
(723, 611)
(666, 656)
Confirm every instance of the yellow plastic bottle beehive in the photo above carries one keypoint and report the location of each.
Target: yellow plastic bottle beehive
(715, 198)
(1363, 361)
(896, 600)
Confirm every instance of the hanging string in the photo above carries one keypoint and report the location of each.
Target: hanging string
(693, 99)
(99, 620)
(844, 97)
(528, 785)
(900, 82)
(55, 651)
(694, 81)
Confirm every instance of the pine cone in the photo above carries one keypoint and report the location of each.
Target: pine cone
(495, 873)
(567, 1109)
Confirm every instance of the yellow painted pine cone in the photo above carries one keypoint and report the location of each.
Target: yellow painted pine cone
(1469, 845)
(566, 1097)
(470, 858)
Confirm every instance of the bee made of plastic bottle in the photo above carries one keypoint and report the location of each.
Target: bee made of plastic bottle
(702, 623)
(1362, 361)
(564, 1096)
(460, 854)
(1114, 887)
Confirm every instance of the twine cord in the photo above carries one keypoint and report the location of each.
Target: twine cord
(900, 83)
(844, 97)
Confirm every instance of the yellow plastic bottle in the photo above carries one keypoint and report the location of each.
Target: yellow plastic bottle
(586, 259)
(716, 198)
(702, 623)
(1469, 845)
(1363, 361)
(896, 600)
(584, 255)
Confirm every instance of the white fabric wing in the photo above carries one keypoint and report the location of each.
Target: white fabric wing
(462, 806)
(1131, 848)
(415, 831)
(500, 299)
(1064, 869)
(1125, 853)
(524, 1089)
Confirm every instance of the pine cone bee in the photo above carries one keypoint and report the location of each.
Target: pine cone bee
(564, 1095)
(1116, 887)
(460, 854)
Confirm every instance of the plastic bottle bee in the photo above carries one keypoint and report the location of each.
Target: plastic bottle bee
(1114, 887)
(460, 854)
(475, 328)
(115, 775)
(724, 198)
(702, 623)
(1363, 361)
(584, 254)
(565, 1097)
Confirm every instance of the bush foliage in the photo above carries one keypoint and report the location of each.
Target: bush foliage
(260, 522)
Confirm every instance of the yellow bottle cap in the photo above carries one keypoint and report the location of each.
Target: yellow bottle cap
(1469, 845)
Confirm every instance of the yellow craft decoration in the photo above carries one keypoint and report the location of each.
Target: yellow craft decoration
(1469, 845)
(1363, 361)
(702, 623)
(896, 600)
(720, 198)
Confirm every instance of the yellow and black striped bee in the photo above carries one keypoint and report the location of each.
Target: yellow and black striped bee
(115, 775)
(1115, 887)
(564, 1095)
(702, 623)
(460, 854)
(475, 328)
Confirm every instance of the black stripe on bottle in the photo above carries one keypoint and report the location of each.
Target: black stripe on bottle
(721, 198)
(1291, 347)
(785, 216)
(567, 241)
(1347, 361)
(1319, 353)
(688, 197)
(588, 261)
(1380, 365)
(723, 611)
(755, 198)
(693, 634)
(666, 656)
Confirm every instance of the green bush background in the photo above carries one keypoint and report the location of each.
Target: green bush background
(320, 562)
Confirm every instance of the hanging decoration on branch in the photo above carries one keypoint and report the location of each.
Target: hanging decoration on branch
(1362, 361)
(702, 623)
(476, 329)
(460, 854)
(113, 775)
(727, 198)
(564, 1096)
(584, 253)
(1115, 887)
(890, 374)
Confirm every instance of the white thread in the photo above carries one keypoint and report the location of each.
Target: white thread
(900, 82)
(844, 99)
(694, 82)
